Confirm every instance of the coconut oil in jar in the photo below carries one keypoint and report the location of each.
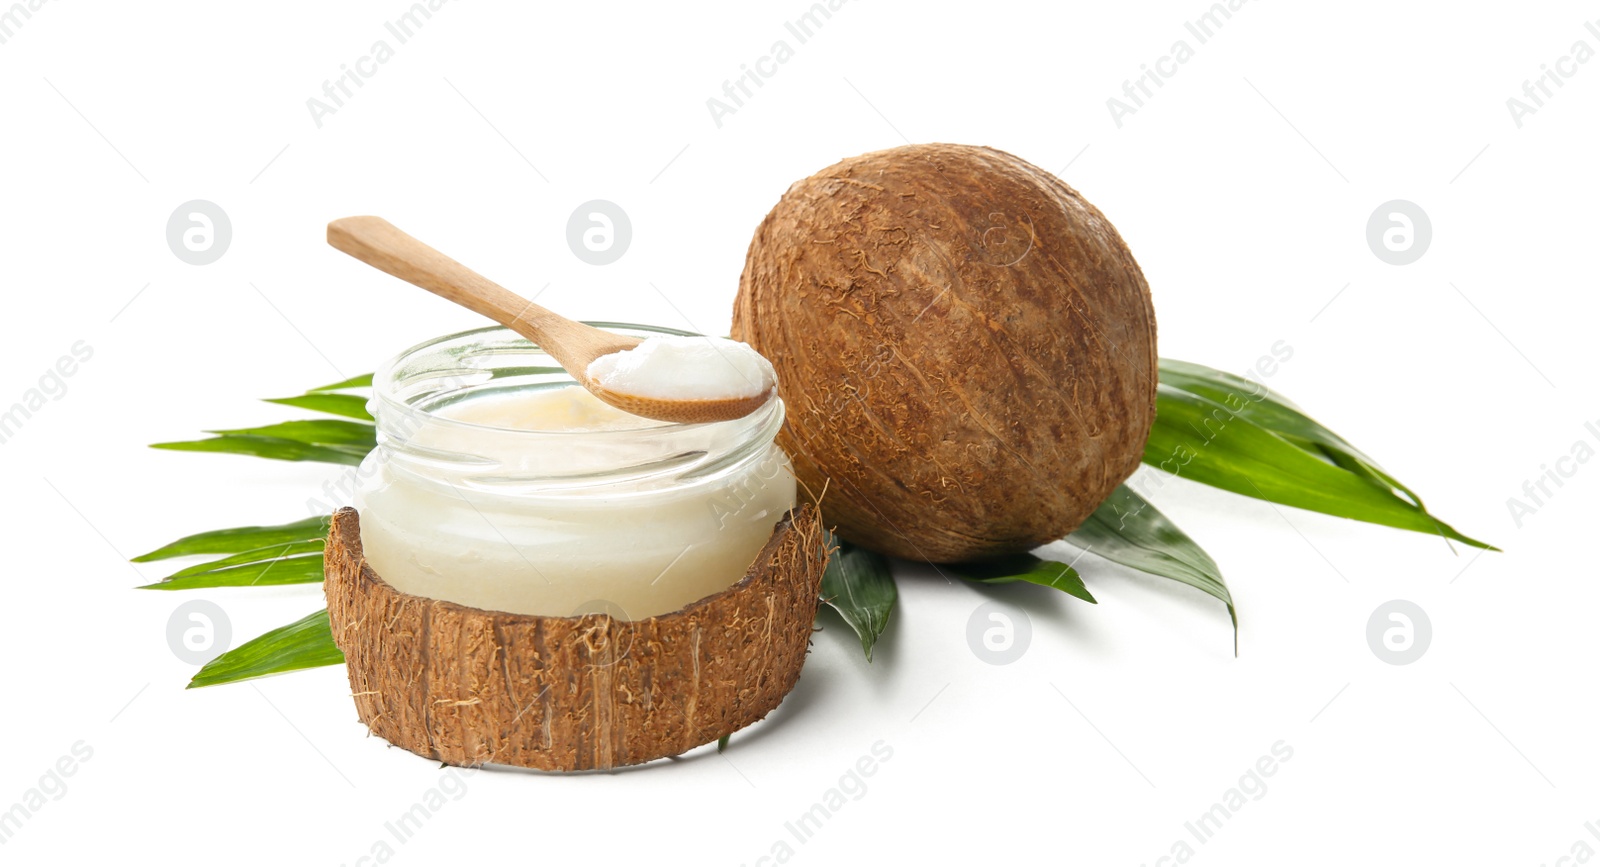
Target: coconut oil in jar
(500, 484)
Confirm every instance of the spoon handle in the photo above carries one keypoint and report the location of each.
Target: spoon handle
(378, 243)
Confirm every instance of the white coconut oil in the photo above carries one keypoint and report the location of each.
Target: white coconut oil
(686, 368)
(500, 485)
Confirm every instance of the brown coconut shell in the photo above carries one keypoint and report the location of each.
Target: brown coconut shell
(966, 348)
(470, 687)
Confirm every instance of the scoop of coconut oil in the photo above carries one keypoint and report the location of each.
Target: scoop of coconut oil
(685, 368)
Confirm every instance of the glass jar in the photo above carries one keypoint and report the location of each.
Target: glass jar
(636, 522)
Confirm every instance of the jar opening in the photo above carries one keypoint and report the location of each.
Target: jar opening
(489, 408)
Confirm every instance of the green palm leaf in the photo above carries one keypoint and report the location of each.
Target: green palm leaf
(362, 381)
(347, 405)
(319, 432)
(306, 643)
(257, 555)
(1024, 568)
(271, 573)
(236, 540)
(1227, 432)
(270, 447)
(1128, 530)
(860, 586)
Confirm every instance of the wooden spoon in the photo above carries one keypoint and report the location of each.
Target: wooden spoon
(572, 344)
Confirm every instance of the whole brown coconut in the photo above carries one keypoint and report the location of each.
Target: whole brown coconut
(965, 346)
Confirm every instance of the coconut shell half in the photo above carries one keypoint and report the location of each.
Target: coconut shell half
(471, 687)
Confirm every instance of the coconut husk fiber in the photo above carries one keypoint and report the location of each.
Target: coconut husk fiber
(965, 348)
(470, 687)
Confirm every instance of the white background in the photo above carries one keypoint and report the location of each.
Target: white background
(1243, 187)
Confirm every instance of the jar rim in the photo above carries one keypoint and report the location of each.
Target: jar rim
(386, 380)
